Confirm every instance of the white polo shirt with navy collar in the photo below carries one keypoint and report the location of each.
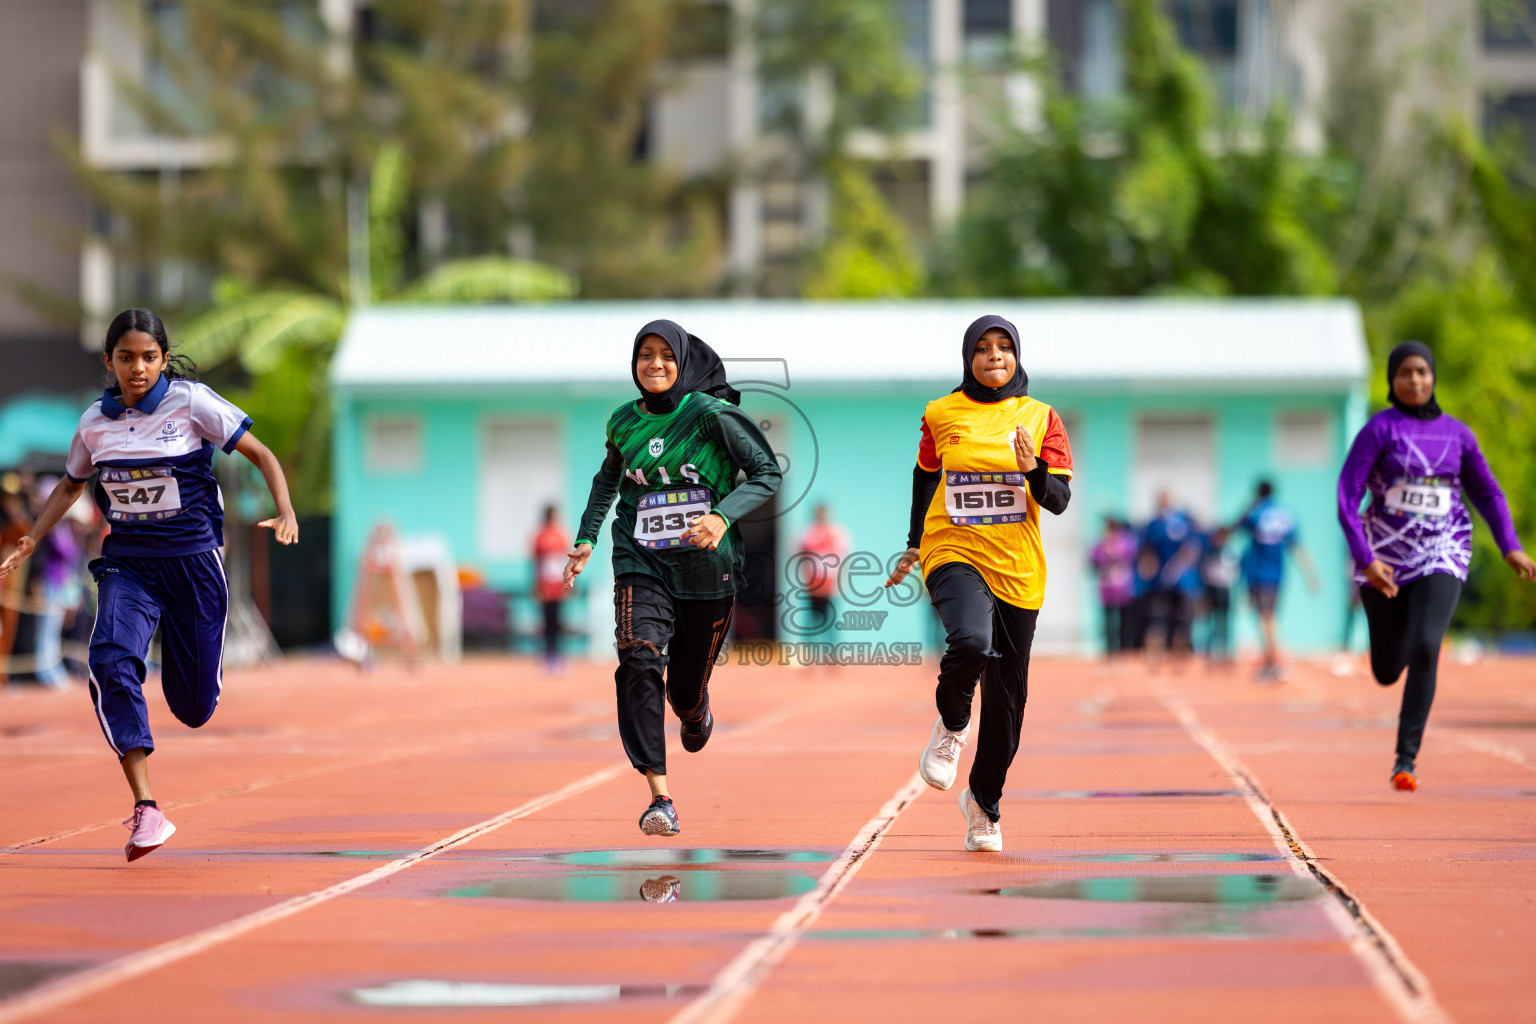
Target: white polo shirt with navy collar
(154, 466)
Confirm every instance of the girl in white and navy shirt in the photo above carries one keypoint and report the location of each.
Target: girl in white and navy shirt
(150, 443)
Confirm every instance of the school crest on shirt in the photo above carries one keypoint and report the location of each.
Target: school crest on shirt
(169, 432)
(655, 448)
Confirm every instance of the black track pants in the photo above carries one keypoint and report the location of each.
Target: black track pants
(649, 620)
(988, 640)
(1406, 632)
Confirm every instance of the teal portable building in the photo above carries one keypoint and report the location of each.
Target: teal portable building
(464, 422)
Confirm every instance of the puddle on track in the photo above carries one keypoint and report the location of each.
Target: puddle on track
(17, 976)
(697, 885)
(429, 993)
(1119, 794)
(1220, 890)
(1199, 857)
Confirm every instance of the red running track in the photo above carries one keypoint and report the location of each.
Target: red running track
(461, 844)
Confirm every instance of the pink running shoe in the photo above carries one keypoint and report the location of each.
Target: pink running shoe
(150, 829)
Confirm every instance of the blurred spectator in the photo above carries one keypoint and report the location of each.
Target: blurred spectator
(551, 545)
(1170, 547)
(1219, 570)
(15, 521)
(1114, 562)
(1273, 530)
(829, 543)
(55, 589)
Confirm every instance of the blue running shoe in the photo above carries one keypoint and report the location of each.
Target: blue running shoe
(696, 734)
(660, 819)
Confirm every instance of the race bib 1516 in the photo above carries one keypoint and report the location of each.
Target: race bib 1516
(1416, 498)
(141, 495)
(985, 499)
(662, 516)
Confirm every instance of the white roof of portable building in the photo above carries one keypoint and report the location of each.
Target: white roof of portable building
(1290, 344)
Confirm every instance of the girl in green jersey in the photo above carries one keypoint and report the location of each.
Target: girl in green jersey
(672, 461)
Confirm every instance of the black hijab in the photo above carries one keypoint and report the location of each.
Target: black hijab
(698, 368)
(974, 389)
(1430, 409)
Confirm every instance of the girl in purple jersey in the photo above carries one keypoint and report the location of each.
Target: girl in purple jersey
(1413, 543)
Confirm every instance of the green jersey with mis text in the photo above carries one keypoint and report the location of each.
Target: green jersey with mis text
(668, 470)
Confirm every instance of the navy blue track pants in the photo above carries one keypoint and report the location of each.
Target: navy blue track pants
(187, 596)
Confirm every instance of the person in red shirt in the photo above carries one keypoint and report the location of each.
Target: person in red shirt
(550, 546)
(828, 542)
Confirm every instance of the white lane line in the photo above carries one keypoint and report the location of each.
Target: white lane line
(1396, 977)
(88, 982)
(736, 982)
(1510, 754)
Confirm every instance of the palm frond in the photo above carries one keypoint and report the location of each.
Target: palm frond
(219, 334)
(307, 320)
(491, 279)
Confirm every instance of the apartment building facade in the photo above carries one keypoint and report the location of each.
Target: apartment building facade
(707, 114)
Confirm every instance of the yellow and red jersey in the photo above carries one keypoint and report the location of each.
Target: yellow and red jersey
(982, 513)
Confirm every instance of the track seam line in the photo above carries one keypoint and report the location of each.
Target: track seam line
(1396, 976)
(1499, 750)
(273, 780)
(93, 980)
(737, 980)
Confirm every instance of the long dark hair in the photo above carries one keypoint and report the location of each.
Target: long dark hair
(177, 366)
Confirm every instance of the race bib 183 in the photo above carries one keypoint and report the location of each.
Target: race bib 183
(1419, 498)
(662, 516)
(141, 495)
(985, 499)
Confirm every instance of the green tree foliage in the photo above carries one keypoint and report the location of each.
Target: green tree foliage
(1151, 193)
(851, 52)
(624, 226)
(284, 336)
(868, 254)
(511, 132)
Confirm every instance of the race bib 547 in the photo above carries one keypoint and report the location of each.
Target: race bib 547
(146, 494)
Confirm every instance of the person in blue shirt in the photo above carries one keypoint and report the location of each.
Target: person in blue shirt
(1171, 547)
(1273, 531)
(149, 441)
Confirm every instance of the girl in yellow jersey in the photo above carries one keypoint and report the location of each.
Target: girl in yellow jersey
(990, 459)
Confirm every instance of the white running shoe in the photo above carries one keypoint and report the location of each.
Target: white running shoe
(982, 834)
(940, 759)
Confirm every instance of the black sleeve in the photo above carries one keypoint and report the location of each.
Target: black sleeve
(604, 486)
(924, 484)
(751, 453)
(1050, 490)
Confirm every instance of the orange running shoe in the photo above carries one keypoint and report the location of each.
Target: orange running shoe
(1403, 777)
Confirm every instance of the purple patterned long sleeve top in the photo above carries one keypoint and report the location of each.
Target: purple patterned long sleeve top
(1418, 472)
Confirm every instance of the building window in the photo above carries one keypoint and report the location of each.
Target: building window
(988, 30)
(917, 31)
(1514, 113)
(1303, 440)
(1510, 25)
(1176, 456)
(392, 445)
(522, 470)
(1099, 72)
(1207, 27)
